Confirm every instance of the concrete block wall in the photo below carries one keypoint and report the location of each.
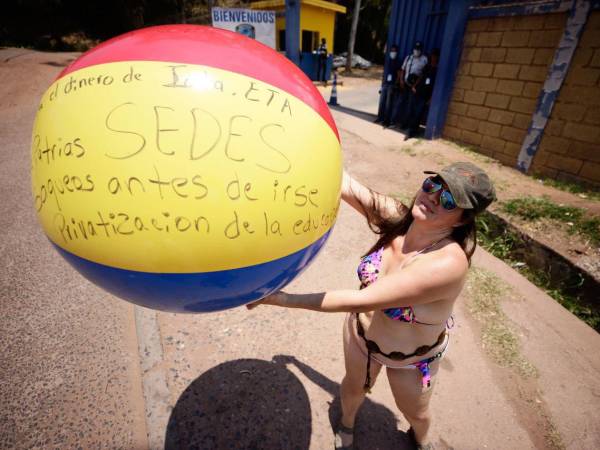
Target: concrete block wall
(503, 66)
(570, 147)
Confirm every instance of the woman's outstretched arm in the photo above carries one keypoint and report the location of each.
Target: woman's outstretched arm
(445, 275)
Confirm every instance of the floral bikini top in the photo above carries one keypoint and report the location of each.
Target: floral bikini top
(368, 272)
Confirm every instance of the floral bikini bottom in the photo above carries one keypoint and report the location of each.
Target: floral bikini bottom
(422, 365)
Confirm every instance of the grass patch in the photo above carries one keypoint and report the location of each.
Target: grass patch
(501, 344)
(505, 244)
(553, 437)
(574, 303)
(498, 338)
(572, 187)
(531, 209)
(496, 239)
(408, 150)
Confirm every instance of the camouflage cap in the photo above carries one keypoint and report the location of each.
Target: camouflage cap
(470, 186)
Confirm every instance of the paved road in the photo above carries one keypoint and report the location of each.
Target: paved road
(71, 374)
(69, 370)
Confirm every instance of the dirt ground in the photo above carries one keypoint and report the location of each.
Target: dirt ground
(83, 369)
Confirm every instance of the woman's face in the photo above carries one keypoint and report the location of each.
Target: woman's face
(428, 209)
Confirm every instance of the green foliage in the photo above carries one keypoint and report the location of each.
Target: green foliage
(575, 304)
(529, 208)
(372, 31)
(496, 239)
(569, 186)
(505, 245)
(61, 25)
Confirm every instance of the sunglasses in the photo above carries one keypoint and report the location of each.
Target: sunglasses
(431, 185)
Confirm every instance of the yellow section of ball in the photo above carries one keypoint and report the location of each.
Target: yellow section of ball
(173, 168)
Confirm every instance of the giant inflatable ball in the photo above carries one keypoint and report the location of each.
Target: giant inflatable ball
(185, 168)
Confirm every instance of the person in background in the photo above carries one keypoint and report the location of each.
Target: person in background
(419, 96)
(412, 68)
(322, 60)
(389, 88)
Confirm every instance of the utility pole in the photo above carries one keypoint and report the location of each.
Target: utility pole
(352, 39)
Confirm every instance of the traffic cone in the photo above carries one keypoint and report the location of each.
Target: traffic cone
(333, 98)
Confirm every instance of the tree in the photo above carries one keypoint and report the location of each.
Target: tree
(355, 13)
(134, 13)
(371, 32)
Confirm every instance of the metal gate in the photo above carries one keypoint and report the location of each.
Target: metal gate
(417, 20)
(438, 24)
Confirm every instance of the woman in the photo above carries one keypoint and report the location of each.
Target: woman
(420, 263)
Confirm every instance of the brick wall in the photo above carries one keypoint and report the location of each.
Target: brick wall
(570, 147)
(503, 67)
(504, 64)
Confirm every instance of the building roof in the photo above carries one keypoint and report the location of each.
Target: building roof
(278, 4)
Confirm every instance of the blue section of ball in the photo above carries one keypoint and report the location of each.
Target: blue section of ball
(197, 292)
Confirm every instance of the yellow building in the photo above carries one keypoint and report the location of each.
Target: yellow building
(317, 20)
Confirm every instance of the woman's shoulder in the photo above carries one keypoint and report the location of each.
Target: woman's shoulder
(452, 254)
(448, 256)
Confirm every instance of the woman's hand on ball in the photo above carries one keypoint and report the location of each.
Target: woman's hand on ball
(276, 299)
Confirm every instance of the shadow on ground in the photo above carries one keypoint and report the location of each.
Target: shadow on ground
(355, 112)
(242, 404)
(59, 63)
(371, 118)
(252, 404)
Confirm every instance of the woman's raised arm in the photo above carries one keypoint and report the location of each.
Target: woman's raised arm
(368, 202)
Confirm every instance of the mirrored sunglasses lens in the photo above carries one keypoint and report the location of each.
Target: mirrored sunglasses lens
(430, 186)
(447, 200)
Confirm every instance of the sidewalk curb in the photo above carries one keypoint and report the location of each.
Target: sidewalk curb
(154, 379)
(540, 256)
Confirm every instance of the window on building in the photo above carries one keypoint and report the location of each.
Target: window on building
(310, 40)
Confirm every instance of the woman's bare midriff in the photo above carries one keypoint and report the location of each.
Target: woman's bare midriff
(394, 335)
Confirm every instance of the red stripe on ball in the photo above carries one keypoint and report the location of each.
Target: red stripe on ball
(211, 47)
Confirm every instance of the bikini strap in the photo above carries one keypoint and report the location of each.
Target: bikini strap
(367, 385)
(421, 251)
(429, 246)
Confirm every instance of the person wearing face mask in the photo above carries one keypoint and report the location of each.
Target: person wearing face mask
(410, 71)
(389, 88)
(419, 97)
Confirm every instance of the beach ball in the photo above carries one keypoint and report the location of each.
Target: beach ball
(185, 168)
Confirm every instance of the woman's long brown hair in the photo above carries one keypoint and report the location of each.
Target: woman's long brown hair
(390, 228)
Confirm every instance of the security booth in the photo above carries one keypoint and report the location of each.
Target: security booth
(312, 20)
